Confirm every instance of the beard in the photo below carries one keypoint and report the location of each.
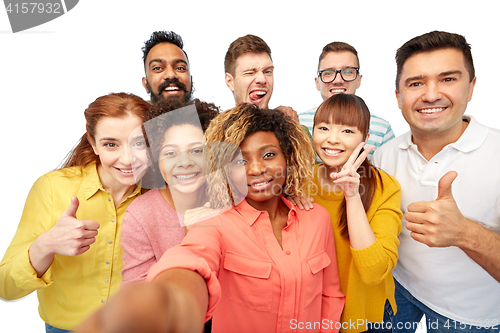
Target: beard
(156, 97)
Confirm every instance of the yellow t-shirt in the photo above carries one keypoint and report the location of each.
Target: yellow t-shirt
(365, 274)
(72, 287)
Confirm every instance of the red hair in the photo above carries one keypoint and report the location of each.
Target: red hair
(115, 105)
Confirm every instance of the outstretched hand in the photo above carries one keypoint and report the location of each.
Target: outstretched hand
(437, 223)
(348, 178)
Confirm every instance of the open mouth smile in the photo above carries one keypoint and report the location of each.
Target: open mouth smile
(185, 177)
(431, 110)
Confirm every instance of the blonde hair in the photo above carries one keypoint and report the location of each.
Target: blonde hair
(230, 128)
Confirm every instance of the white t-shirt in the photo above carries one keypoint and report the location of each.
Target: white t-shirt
(446, 279)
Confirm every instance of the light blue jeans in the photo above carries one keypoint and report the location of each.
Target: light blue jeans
(411, 310)
(52, 329)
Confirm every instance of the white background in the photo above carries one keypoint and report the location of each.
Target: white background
(50, 73)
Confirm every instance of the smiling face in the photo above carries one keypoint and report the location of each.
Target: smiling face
(167, 73)
(335, 143)
(181, 158)
(434, 89)
(121, 149)
(337, 60)
(252, 81)
(265, 167)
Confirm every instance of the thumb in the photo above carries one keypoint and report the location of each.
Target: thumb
(444, 187)
(72, 208)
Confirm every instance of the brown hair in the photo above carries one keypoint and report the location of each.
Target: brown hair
(233, 126)
(113, 105)
(337, 47)
(245, 44)
(351, 110)
(432, 41)
(161, 119)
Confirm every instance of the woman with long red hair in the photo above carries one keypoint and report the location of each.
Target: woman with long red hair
(67, 245)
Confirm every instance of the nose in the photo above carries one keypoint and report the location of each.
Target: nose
(169, 72)
(125, 157)
(338, 79)
(333, 137)
(184, 159)
(431, 93)
(255, 168)
(260, 78)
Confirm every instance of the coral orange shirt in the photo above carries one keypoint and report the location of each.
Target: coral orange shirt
(254, 284)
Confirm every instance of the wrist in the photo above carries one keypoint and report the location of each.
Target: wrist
(468, 238)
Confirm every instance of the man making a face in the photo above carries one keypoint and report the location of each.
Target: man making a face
(449, 253)
(249, 73)
(167, 67)
(338, 73)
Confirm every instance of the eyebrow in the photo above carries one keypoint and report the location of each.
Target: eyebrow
(443, 74)
(263, 148)
(255, 68)
(189, 145)
(108, 139)
(160, 60)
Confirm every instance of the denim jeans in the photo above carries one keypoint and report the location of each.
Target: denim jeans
(52, 329)
(386, 325)
(411, 310)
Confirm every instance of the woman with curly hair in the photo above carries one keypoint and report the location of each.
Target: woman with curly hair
(155, 222)
(261, 266)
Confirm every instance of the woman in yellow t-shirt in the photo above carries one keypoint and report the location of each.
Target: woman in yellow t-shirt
(364, 205)
(67, 245)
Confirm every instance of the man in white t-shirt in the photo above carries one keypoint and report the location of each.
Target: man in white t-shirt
(338, 73)
(449, 257)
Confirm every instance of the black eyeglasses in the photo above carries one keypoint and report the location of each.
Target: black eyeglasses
(347, 74)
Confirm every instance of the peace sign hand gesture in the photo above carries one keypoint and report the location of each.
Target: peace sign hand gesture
(348, 178)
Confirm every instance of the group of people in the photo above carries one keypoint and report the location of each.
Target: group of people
(174, 216)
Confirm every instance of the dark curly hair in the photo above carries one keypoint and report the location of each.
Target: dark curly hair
(233, 126)
(158, 37)
(161, 118)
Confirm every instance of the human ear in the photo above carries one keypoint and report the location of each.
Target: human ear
(229, 81)
(145, 84)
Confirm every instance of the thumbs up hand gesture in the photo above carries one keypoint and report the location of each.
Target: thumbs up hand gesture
(71, 236)
(437, 223)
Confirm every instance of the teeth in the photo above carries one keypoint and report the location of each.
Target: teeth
(260, 184)
(126, 171)
(260, 92)
(431, 110)
(332, 151)
(171, 88)
(184, 177)
(337, 91)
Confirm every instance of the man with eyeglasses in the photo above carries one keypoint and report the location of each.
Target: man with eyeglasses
(338, 73)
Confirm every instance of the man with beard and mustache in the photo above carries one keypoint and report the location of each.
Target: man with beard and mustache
(166, 66)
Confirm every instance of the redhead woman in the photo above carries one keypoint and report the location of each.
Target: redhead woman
(67, 245)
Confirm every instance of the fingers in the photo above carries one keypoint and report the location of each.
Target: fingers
(444, 186)
(72, 208)
(354, 156)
